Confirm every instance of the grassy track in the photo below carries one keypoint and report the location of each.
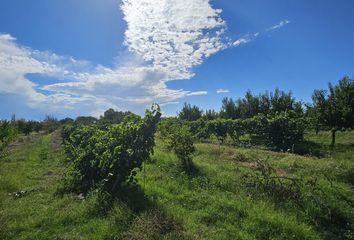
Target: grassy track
(39, 213)
(214, 203)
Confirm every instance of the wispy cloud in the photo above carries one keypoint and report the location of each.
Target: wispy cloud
(241, 41)
(250, 37)
(219, 91)
(281, 24)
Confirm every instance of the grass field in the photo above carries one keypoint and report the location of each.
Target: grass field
(234, 193)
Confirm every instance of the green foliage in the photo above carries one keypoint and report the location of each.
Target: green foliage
(285, 131)
(190, 113)
(23, 126)
(66, 121)
(36, 126)
(131, 117)
(335, 110)
(229, 109)
(181, 142)
(210, 115)
(83, 120)
(236, 129)
(26, 127)
(50, 124)
(108, 158)
(219, 128)
(200, 129)
(307, 194)
(265, 180)
(114, 117)
(280, 131)
(215, 204)
(7, 134)
(267, 103)
(168, 125)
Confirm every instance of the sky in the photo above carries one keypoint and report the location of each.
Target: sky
(81, 57)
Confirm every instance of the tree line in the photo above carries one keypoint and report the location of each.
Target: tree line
(331, 109)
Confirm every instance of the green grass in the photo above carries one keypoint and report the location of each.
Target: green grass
(214, 203)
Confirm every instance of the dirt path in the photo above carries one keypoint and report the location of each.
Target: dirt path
(24, 140)
(33, 137)
(57, 140)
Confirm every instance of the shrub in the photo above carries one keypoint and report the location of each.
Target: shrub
(219, 129)
(200, 129)
(264, 180)
(7, 134)
(50, 124)
(284, 131)
(105, 159)
(235, 129)
(181, 142)
(168, 125)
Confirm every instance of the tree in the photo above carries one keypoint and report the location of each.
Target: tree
(66, 121)
(249, 106)
(50, 124)
(190, 113)
(114, 117)
(210, 115)
(264, 103)
(316, 112)
(335, 108)
(82, 120)
(252, 105)
(229, 109)
(281, 101)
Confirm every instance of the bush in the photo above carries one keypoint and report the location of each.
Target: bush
(7, 134)
(284, 131)
(280, 131)
(200, 129)
(218, 127)
(168, 125)
(235, 129)
(181, 142)
(105, 159)
(50, 124)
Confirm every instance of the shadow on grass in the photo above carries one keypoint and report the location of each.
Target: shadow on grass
(139, 217)
(131, 196)
(311, 149)
(191, 169)
(348, 176)
(134, 197)
(321, 150)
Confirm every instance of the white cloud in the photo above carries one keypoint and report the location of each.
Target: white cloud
(279, 25)
(168, 103)
(16, 62)
(222, 91)
(173, 35)
(165, 40)
(250, 37)
(242, 41)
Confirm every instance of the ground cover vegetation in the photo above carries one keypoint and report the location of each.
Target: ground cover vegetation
(264, 167)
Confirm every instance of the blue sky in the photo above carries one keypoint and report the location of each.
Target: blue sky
(79, 57)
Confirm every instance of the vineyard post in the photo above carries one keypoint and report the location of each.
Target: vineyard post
(144, 176)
